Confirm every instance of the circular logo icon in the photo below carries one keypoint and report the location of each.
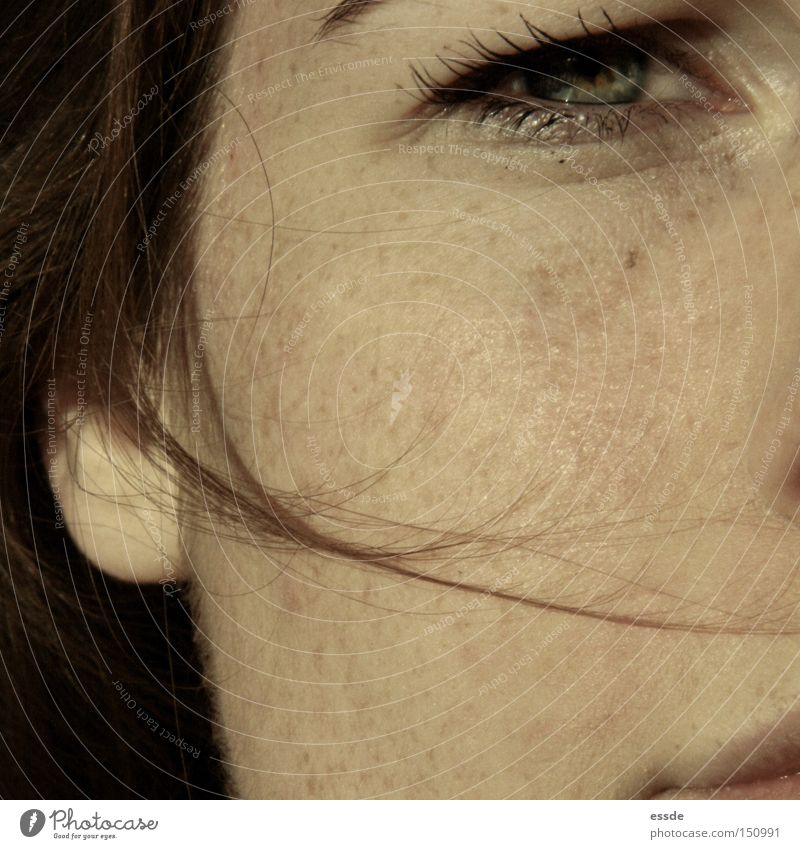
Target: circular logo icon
(31, 822)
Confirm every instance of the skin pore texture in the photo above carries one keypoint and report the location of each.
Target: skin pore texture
(554, 373)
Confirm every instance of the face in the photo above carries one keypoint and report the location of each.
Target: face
(506, 299)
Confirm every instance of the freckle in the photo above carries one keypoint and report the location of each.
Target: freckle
(631, 259)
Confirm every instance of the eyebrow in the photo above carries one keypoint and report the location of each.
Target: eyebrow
(344, 12)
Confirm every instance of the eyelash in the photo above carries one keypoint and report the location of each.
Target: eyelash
(475, 78)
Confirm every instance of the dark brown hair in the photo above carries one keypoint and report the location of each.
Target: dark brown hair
(103, 107)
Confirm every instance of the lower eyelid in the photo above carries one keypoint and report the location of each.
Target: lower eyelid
(546, 125)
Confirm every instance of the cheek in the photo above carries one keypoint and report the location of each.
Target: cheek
(508, 376)
(430, 384)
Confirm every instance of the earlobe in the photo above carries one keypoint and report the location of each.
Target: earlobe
(116, 503)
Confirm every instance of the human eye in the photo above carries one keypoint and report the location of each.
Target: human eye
(591, 88)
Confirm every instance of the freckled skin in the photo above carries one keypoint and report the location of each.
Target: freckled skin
(583, 412)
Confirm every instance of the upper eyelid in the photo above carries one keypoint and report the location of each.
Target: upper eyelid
(493, 65)
(672, 44)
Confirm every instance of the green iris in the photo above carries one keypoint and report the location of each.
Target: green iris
(606, 76)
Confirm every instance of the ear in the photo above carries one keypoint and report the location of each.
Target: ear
(116, 504)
